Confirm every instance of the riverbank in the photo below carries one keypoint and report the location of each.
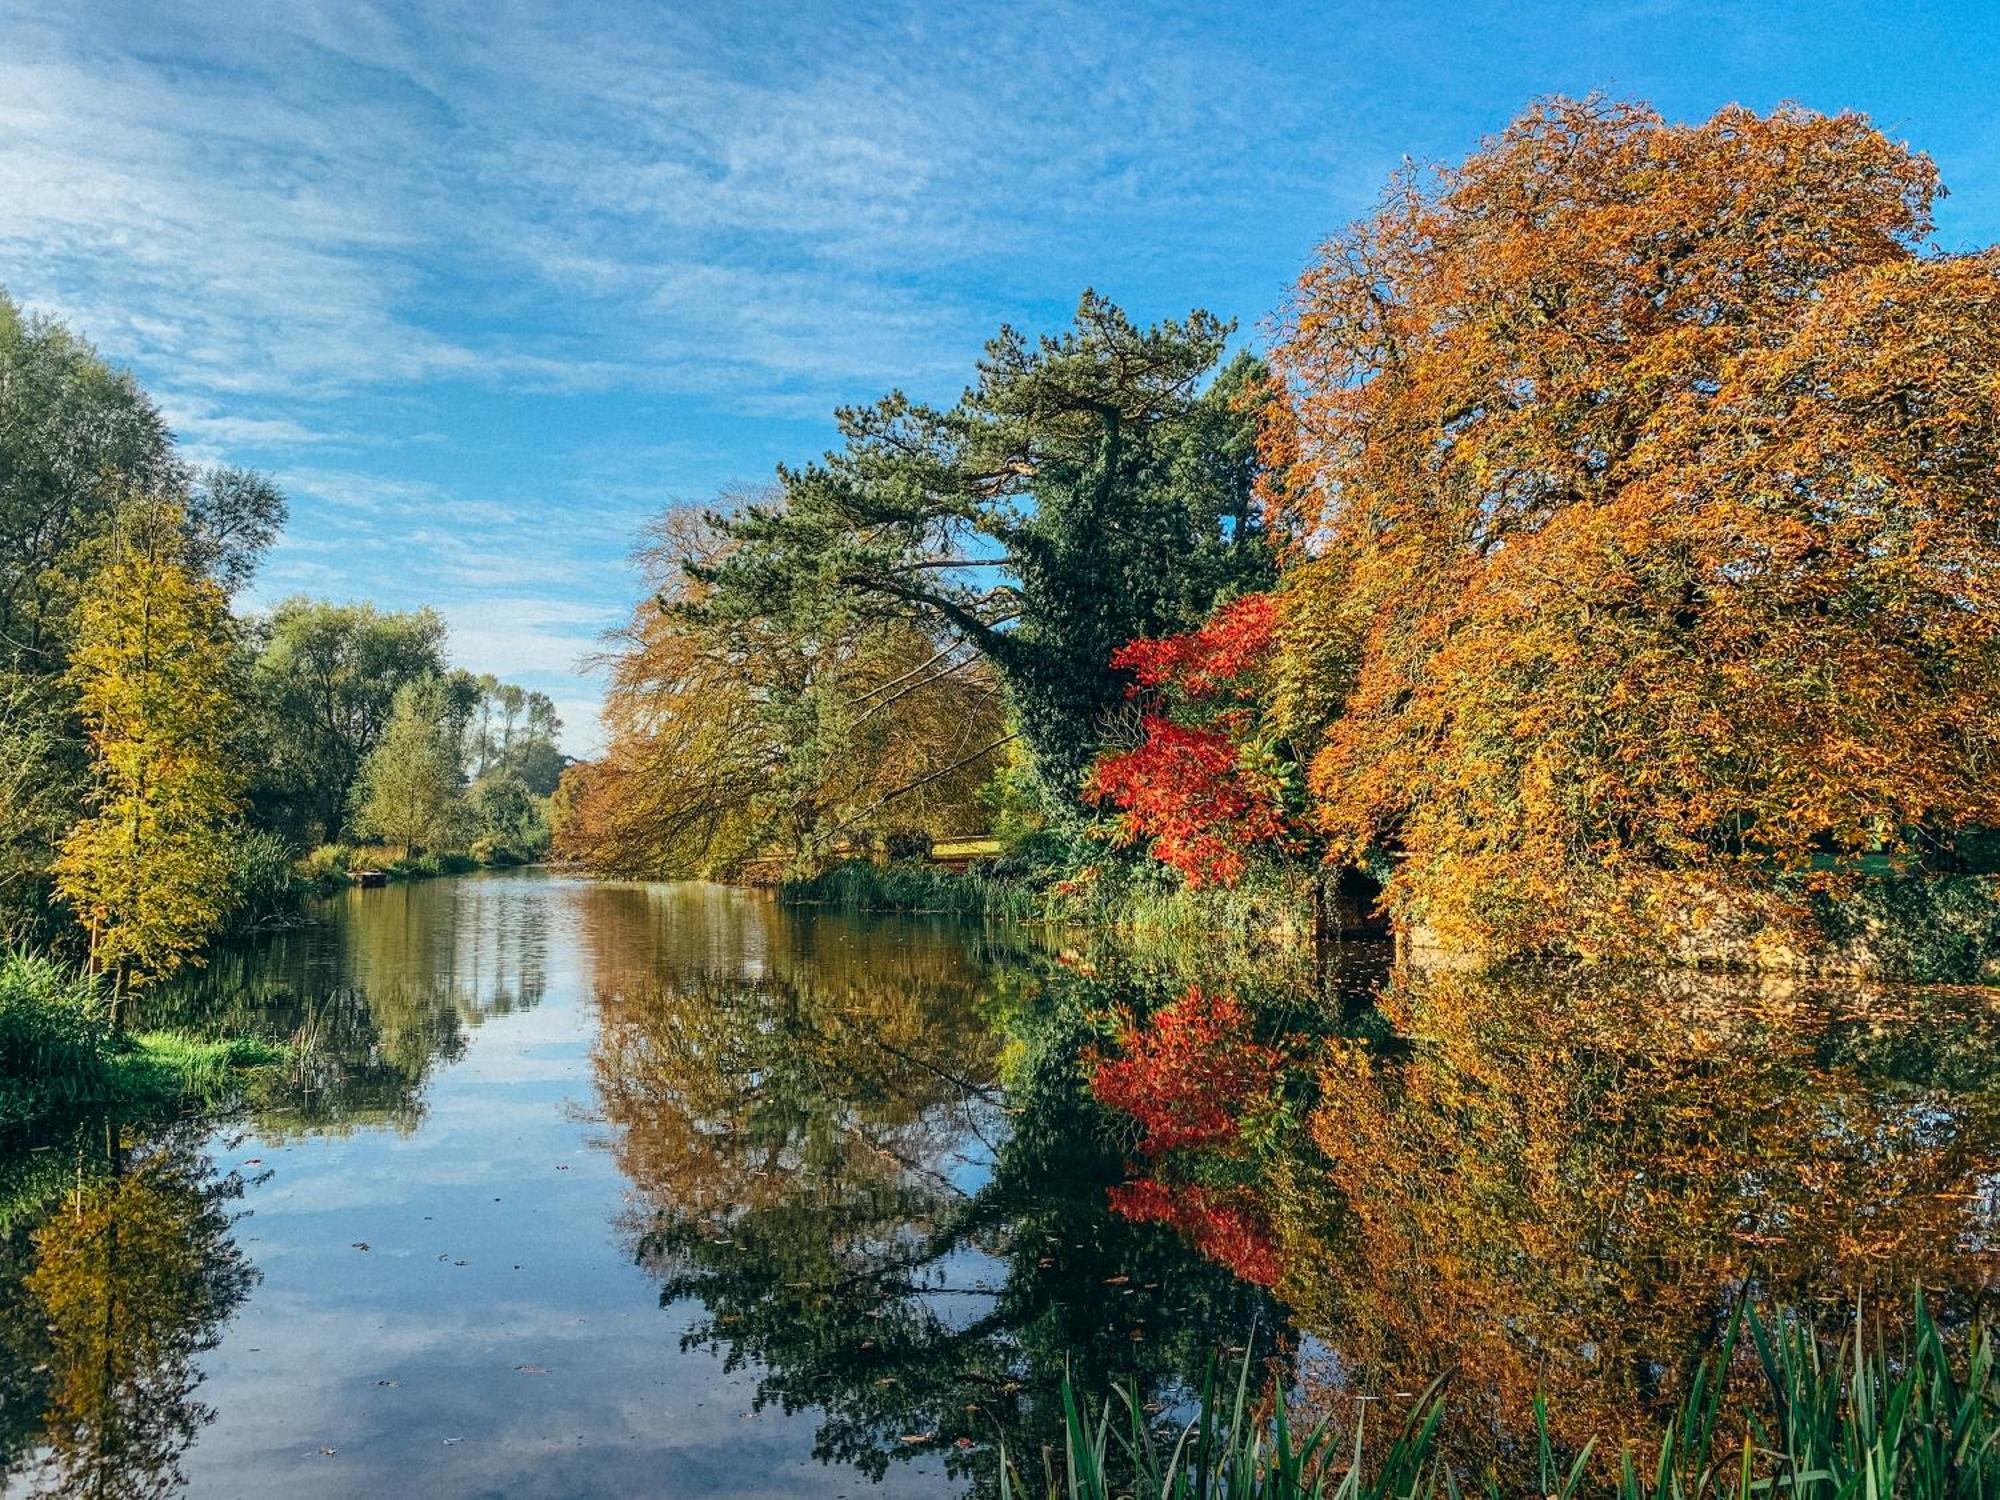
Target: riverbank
(1935, 929)
(58, 1053)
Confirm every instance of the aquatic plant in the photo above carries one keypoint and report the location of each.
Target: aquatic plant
(1866, 1416)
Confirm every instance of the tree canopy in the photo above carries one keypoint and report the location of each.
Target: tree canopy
(1089, 487)
(1640, 484)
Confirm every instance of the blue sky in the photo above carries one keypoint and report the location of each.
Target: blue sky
(485, 285)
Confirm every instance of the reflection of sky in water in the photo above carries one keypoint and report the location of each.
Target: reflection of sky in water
(490, 1248)
(537, 1102)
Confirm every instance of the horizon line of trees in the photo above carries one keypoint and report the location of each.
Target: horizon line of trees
(165, 760)
(1607, 548)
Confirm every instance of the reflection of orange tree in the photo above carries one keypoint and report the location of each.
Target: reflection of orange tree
(1564, 1183)
(858, 1063)
(129, 1279)
(797, 1135)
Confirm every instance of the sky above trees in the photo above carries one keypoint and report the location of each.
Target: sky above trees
(484, 287)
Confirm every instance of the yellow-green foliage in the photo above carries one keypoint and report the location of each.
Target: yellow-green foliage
(146, 869)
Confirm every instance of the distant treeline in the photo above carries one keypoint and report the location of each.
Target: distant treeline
(167, 763)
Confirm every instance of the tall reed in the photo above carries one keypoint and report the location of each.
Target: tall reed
(1863, 1419)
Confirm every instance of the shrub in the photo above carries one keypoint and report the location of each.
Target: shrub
(907, 843)
(54, 1041)
(266, 886)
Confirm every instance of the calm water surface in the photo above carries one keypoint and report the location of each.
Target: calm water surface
(594, 1189)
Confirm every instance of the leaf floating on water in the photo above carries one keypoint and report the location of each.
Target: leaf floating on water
(531, 1369)
(963, 1443)
(914, 1438)
(449, 1441)
(1116, 1280)
(328, 1452)
(388, 1382)
(360, 1245)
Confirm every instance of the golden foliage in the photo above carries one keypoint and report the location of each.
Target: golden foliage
(146, 871)
(727, 738)
(1643, 483)
(1562, 1181)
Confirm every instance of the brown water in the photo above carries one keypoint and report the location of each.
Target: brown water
(595, 1189)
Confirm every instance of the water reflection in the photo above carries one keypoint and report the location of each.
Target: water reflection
(598, 1167)
(828, 1165)
(374, 998)
(1566, 1180)
(110, 1293)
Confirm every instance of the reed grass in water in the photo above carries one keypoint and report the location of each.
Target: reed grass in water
(1869, 1420)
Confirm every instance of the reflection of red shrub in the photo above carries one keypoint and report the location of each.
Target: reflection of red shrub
(1190, 1075)
(1226, 1227)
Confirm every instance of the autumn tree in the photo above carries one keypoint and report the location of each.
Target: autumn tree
(1639, 479)
(78, 440)
(730, 737)
(1091, 487)
(145, 870)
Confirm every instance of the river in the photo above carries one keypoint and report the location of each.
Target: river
(601, 1189)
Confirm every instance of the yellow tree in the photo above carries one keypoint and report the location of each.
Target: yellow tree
(1644, 475)
(146, 869)
(730, 737)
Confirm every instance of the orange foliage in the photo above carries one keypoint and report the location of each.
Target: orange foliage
(1643, 482)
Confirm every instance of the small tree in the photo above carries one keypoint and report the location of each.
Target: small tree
(409, 790)
(146, 869)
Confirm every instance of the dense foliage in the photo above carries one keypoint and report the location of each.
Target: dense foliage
(1642, 483)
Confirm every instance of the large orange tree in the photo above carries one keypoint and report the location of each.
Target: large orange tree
(1644, 488)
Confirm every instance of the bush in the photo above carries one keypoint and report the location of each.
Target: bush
(907, 843)
(54, 1041)
(327, 866)
(59, 1053)
(266, 886)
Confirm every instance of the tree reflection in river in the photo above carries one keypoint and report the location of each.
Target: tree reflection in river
(1564, 1180)
(826, 1165)
(111, 1291)
(373, 1000)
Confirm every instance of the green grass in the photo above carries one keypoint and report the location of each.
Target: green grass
(172, 1066)
(59, 1055)
(860, 885)
(1863, 1419)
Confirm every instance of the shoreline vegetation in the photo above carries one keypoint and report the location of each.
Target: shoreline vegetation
(59, 1055)
(1599, 564)
(1871, 1417)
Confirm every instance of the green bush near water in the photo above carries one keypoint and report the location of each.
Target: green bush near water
(58, 1054)
(1883, 1420)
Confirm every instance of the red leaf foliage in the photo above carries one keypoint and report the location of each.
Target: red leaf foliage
(1191, 1074)
(1225, 1226)
(1189, 793)
(1232, 643)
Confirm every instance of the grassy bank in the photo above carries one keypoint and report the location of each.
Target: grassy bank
(1867, 1417)
(1143, 903)
(58, 1054)
(861, 885)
